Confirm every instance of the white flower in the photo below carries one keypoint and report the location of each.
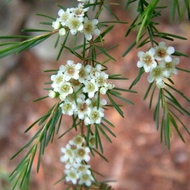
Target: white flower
(68, 154)
(56, 24)
(86, 179)
(169, 67)
(75, 24)
(81, 154)
(71, 70)
(84, 74)
(100, 78)
(90, 28)
(79, 11)
(106, 87)
(147, 60)
(94, 70)
(163, 52)
(156, 74)
(64, 16)
(68, 107)
(52, 94)
(77, 141)
(82, 168)
(57, 80)
(91, 88)
(62, 31)
(95, 116)
(83, 106)
(71, 175)
(64, 90)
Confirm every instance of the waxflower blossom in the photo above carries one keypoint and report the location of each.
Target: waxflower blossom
(75, 24)
(71, 70)
(147, 60)
(158, 62)
(90, 28)
(169, 67)
(76, 156)
(157, 75)
(162, 52)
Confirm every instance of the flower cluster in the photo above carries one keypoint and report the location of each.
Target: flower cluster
(79, 87)
(76, 156)
(75, 20)
(158, 62)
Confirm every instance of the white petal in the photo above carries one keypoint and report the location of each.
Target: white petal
(140, 54)
(168, 58)
(140, 64)
(170, 50)
(150, 79)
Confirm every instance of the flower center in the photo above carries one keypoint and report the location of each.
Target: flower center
(94, 115)
(65, 88)
(147, 59)
(169, 66)
(70, 70)
(88, 27)
(59, 79)
(157, 72)
(83, 107)
(161, 52)
(81, 152)
(75, 24)
(91, 87)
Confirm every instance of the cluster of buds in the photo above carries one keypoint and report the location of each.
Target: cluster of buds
(76, 156)
(76, 20)
(79, 88)
(159, 63)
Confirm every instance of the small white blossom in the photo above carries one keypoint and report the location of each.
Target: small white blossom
(162, 52)
(75, 24)
(64, 90)
(83, 106)
(100, 78)
(71, 70)
(77, 141)
(52, 94)
(64, 16)
(68, 107)
(91, 88)
(90, 28)
(79, 11)
(57, 80)
(106, 87)
(68, 154)
(95, 116)
(86, 179)
(169, 67)
(82, 153)
(82, 168)
(84, 74)
(147, 60)
(71, 175)
(156, 75)
(56, 24)
(62, 31)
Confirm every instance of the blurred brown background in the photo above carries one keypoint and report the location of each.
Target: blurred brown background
(137, 159)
